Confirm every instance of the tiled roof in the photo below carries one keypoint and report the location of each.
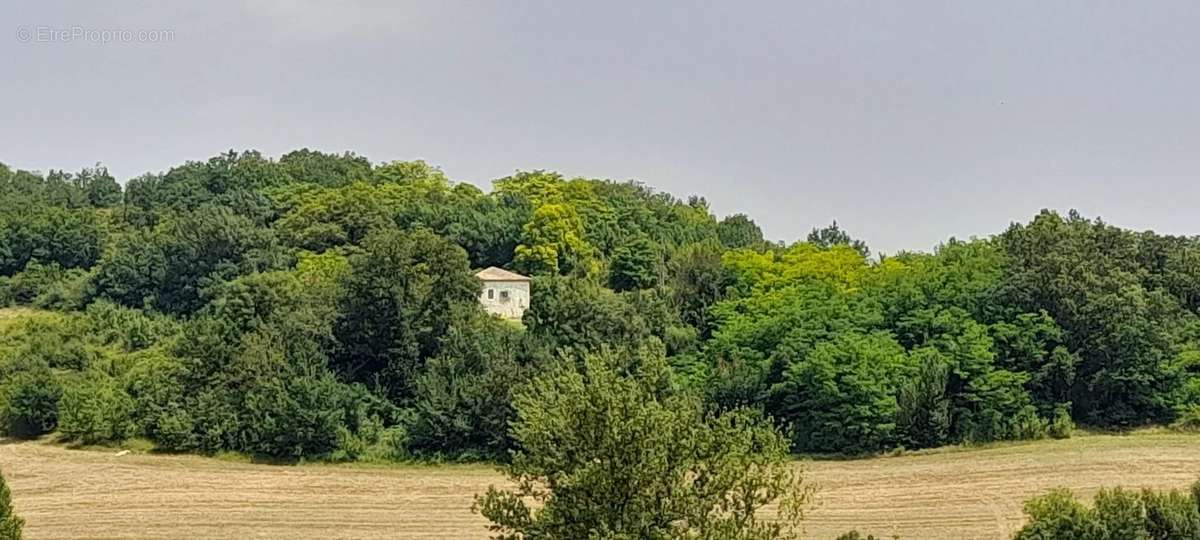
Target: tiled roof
(492, 273)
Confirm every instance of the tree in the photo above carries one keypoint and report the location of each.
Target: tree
(553, 243)
(833, 235)
(330, 170)
(698, 281)
(840, 397)
(606, 455)
(205, 247)
(463, 397)
(1091, 278)
(10, 524)
(739, 231)
(102, 189)
(132, 270)
(635, 265)
(923, 415)
(579, 314)
(401, 296)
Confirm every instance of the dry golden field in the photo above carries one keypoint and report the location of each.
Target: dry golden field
(950, 494)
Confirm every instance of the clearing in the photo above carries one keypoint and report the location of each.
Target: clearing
(944, 494)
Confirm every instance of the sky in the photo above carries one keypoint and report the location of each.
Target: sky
(907, 122)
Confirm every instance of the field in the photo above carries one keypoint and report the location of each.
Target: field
(948, 494)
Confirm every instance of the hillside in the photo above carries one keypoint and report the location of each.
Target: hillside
(947, 494)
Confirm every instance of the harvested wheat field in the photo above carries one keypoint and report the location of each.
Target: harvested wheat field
(950, 494)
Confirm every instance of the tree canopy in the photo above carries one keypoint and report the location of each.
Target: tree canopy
(322, 306)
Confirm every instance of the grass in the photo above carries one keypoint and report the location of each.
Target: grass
(954, 493)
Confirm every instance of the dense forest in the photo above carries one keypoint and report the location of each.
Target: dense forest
(321, 306)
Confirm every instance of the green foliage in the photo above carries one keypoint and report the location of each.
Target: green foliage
(1094, 280)
(553, 243)
(320, 305)
(739, 231)
(607, 455)
(401, 296)
(635, 265)
(1117, 515)
(294, 416)
(1061, 426)
(329, 170)
(833, 235)
(923, 408)
(577, 313)
(463, 399)
(96, 409)
(29, 399)
(10, 523)
(837, 398)
(67, 237)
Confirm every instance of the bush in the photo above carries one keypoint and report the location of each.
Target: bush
(1172, 514)
(95, 410)
(155, 385)
(301, 416)
(1117, 515)
(1058, 516)
(1062, 425)
(1188, 419)
(1028, 426)
(29, 402)
(10, 524)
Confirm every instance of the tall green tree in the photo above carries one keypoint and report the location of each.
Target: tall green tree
(834, 235)
(605, 455)
(401, 296)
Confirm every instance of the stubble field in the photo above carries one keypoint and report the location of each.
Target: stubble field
(951, 494)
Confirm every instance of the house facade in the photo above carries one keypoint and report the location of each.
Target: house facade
(504, 293)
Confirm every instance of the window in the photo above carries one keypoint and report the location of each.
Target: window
(491, 294)
(504, 295)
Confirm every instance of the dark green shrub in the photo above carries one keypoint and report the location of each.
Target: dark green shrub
(1171, 515)
(95, 409)
(10, 524)
(29, 402)
(294, 417)
(463, 398)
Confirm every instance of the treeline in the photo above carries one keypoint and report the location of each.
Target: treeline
(323, 306)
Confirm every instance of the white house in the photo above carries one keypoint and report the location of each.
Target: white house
(504, 293)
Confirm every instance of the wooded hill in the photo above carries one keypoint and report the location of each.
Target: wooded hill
(323, 306)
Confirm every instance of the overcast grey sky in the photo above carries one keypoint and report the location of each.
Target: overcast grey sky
(908, 122)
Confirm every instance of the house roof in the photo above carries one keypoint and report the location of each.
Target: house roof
(492, 273)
